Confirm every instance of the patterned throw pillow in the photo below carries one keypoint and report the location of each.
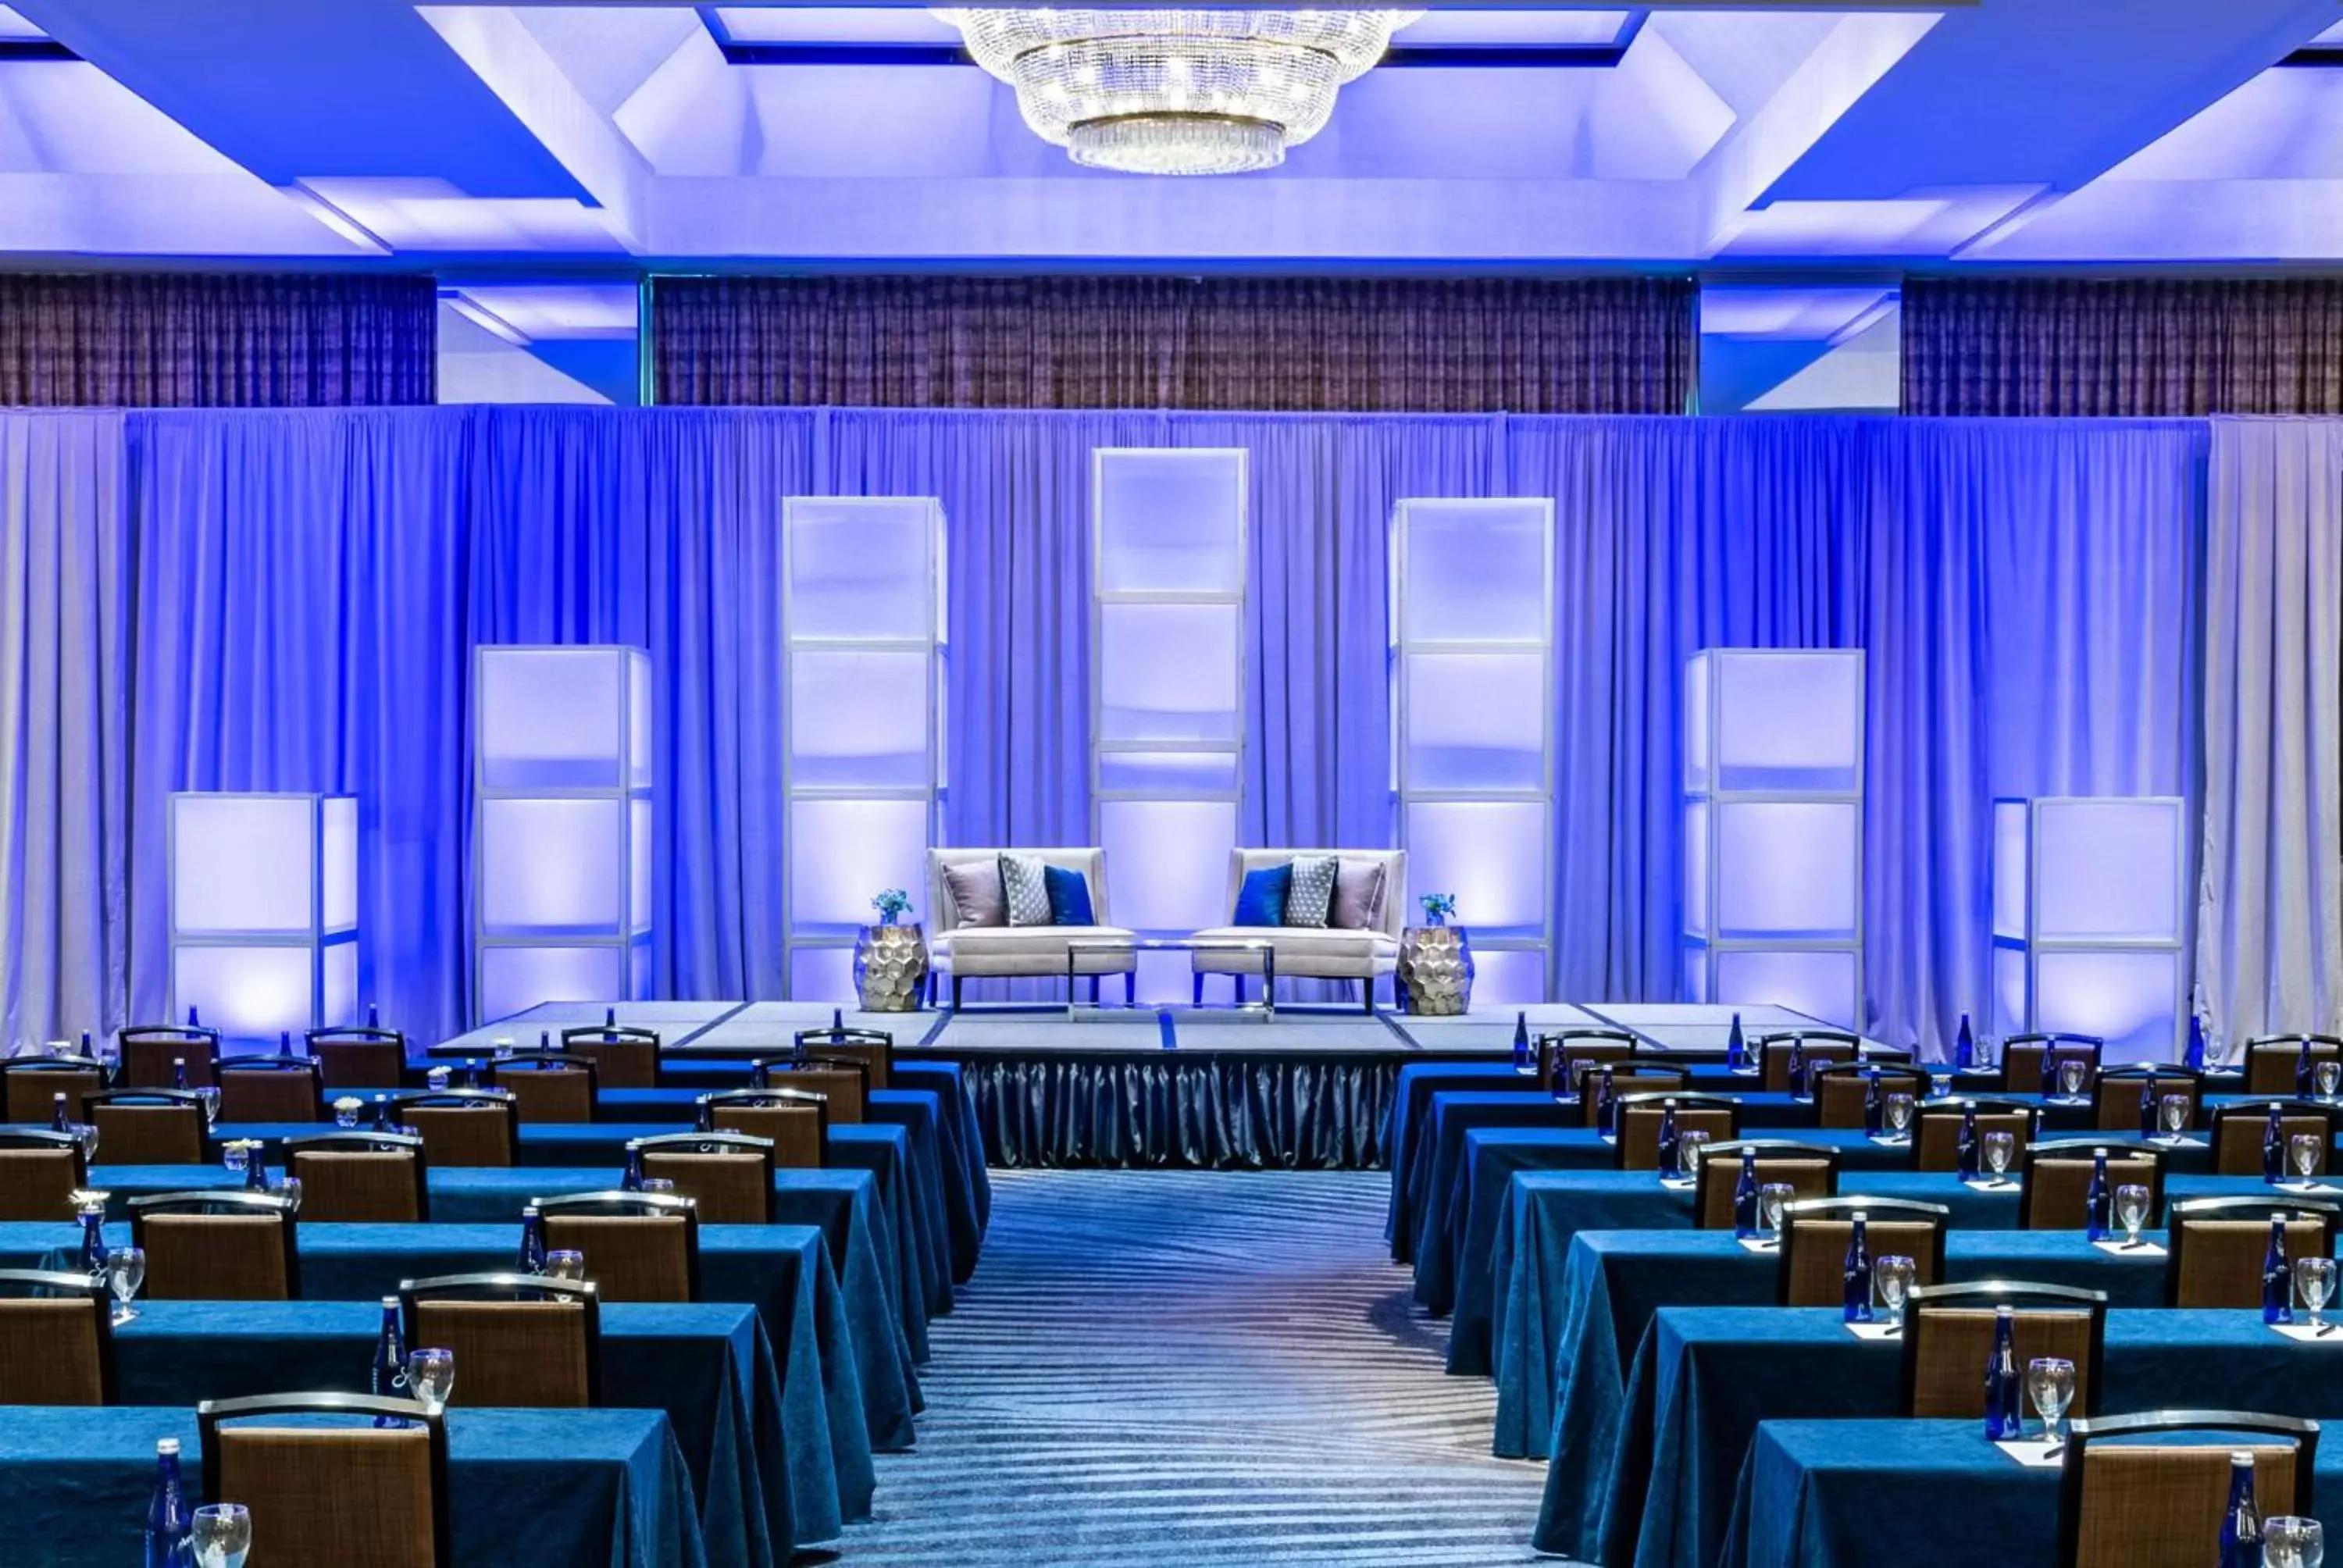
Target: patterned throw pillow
(1312, 892)
(976, 895)
(1027, 888)
(1358, 896)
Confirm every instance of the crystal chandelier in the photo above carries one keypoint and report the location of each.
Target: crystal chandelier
(1177, 92)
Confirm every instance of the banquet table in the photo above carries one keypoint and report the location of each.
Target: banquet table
(1660, 1490)
(782, 1270)
(606, 1487)
(708, 1365)
(1916, 1493)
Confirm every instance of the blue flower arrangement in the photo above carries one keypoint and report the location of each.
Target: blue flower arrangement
(892, 904)
(1438, 908)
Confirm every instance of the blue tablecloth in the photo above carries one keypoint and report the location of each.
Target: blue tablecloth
(1411, 1095)
(1916, 1494)
(605, 1487)
(782, 1270)
(1704, 1377)
(709, 1367)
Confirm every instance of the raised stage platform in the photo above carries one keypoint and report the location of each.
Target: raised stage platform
(1175, 1087)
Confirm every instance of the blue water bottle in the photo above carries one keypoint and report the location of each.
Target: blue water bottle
(1965, 1154)
(2277, 1276)
(1965, 1047)
(2193, 1058)
(389, 1378)
(760, 1075)
(1797, 1067)
(2098, 1201)
(178, 1072)
(374, 1016)
(610, 1019)
(86, 1049)
(60, 1114)
(532, 1241)
(1875, 1111)
(2241, 1521)
(1736, 1048)
(169, 1521)
(1855, 1281)
(471, 1072)
(1669, 1141)
(1522, 1062)
(193, 1021)
(255, 1167)
(545, 1039)
(283, 1042)
(2302, 1067)
(631, 1180)
(2274, 1147)
(1606, 1104)
(1744, 1197)
(382, 1122)
(2002, 1421)
(94, 1249)
(2148, 1107)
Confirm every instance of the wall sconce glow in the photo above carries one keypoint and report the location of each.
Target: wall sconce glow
(562, 836)
(1177, 92)
(263, 912)
(1773, 827)
(2087, 906)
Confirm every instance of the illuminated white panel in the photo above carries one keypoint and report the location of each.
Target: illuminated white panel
(1695, 975)
(860, 569)
(821, 974)
(339, 1005)
(2128, 999)
(2109, 869)
(1507, 977)
(1169, 522)
(638, 722)
(638, 867)
(1700, 722)
(1820, 984)
(513, 980)
(1169, 861)
(243, 863)
(859, 717)
(339, 861)
(1168, 672)
(2009, 869)
(551, 718)
(1787, 721)
(1490, 854)
(1172, 774)
(247, 993)
(1475, 721)
(1474, 571)
(2009, 1016)
(1788, 868)
(1697, 861)
(551, 866)
(842, 852)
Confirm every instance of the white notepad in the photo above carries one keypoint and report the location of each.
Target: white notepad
(1759, 1243)
(2033, 1453)
(1873, 1331)
(2145, 1250)
(2307, 1335)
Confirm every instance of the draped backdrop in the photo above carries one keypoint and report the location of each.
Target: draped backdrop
(287, 601)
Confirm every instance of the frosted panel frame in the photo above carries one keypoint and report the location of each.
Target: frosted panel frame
(1169, 672)
(1490, 854)
(2108, 870)
(244, 863)
(1474, 571)
(859, 718)
(1170, 521)
(1464, 726)
(1508, 977)
(1787, 721)
(1168, 861)
(841, 852)
(861, 569)
(822, 974)
(1820, 983)
(339, 966)
(2129, 998)
(1699, 724)
(551, 866)
(552, 717)
(1698, 860)
(247, 993)
(1173, 774)
(2009, 999)
(2012, 856)
(515, 979)
(640, 846)
(1788, 869)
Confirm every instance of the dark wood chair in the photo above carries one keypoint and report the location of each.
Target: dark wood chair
(1815, 1232)
(2116, 1093)
(846, 1084)
(358, 1177)
(730, 1175)
(1626, 1078)
(40, 1170)
(2055, 1180)
(2030, 1062)
(57, 1339)
(465, 1128)
(638, 1246)
(2239, 1131)
(2216, 1246)
(520, 1341)
(795, 1122)
(873, 1048)
(1841, 1088)
(33, 1082)
(355, 1495)
(1811, 1168)
(1564, 1055)
(149, 1126)
(2129, 1496)
(1640, 1116)
(270, 1088)
(1815, 1047)
(623, 1056)
(219, 1246)
(1948, 1333)
(1936, 1129)
(2273, 1061)
(359, 1056)
(147, 1055)
(547, 1086)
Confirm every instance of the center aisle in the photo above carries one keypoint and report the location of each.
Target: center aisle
(1195, 1367)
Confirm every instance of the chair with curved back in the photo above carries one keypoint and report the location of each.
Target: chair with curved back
(1815, 1232)
(1567, 1053)
(1840, 1087)
(873, 1048)
(2273, 1061)
(1627, 1077)
(361, 1178)
(795, 1121)
(325, 1485)
(1811, 1168)
(270, 1088)
(730, 1175)
(1948, 1332)
(148, 1055)
(638, 1246)
(219, 1246)
(33, 1082)
(359, 1055)
(1817, 1047)
(149, 1126)
(2030, 1061)
(1936, 1128)
(2215, 1246)
(520, 1341)
(57, 1339)
(465, 1128)
(547, 1086)
(2116, 1093)
(1640, 1116)
(2239, 1130)
(2131, 1497)
(845, 1083)
(624, 1056)
(2056, 1179)
(40, 1170)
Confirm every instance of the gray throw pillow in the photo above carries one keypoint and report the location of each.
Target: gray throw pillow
(1027, 890)
(1358, 896)
(975, 889)
(1311, 894)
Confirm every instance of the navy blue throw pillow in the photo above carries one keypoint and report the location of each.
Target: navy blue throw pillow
(1069, 897)
(1261, 900)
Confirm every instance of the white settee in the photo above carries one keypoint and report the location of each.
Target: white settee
(1313, 952)
(966, 952)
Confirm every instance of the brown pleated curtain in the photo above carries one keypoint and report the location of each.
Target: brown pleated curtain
(1531, 346)
(2077, 347)
(156, 340)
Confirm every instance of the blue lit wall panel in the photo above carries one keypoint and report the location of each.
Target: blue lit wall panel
(263, 911)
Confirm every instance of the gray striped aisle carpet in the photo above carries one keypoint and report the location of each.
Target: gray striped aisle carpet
(1194, 1368)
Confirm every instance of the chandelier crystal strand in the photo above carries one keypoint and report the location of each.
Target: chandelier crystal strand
(1177, 92)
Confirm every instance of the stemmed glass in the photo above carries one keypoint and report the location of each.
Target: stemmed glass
(2314, 1281)
(88, 1132)
(565, 1265)
(1689, 1144)
(431, 1376)
(209, 1094)
(2173, 1111)
(2324, 1075)
(2051, 1380)
(126, 1270)
(2291, 1541)
(1892, 1276)
(2070, 1077)
(2131, 1213)
(2000, 1148)
(236, 1155)
(1899, 1114)
(2303, 1150)
(221, 1533)
(290, 1188)
(659, 1184)
(1772, 1198)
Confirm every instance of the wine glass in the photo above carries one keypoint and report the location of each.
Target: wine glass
(2314, 1281)
(345, 1110)
(431, 1376)
(235, 1155)
(1689, 1143)
(221, 1533)
(126, 1270)
(2291, 1541)
(2070, 1077)
(2324, 1075)
(2131, 1212)
(2051, 1380)
(88, 1132)
(438, 1079)
(210, 1095)
(1772, 1198)
(565, 1264)
(290, 1188)
(1899, 1114)
(1892, 1276)
(2303, 1150)
(2173, 1111)
(2000, 1148)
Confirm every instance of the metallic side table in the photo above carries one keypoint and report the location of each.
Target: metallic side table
(1434, 976)
(890, 967)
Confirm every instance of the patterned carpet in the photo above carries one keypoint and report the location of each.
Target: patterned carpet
(1192, 1369)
